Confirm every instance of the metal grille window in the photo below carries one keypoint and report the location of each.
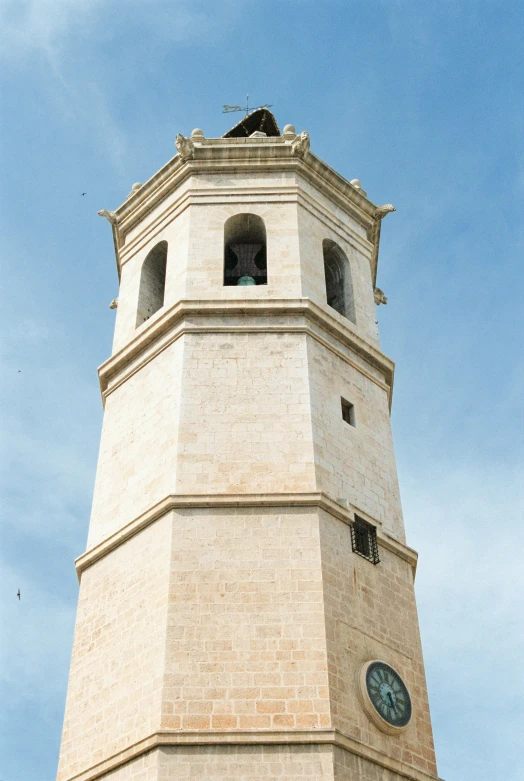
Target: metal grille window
(364, 540)
(348, 412)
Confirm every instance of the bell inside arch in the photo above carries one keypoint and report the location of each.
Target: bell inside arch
(245, 259)
(250, 261)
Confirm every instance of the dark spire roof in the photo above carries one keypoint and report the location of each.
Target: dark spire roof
(260, 119)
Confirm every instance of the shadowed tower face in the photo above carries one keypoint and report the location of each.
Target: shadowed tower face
(246, 606)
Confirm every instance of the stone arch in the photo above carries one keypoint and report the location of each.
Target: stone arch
(245, 254)
(339, 285)
(152, 283)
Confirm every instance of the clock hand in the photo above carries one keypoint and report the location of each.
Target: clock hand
(391, 701)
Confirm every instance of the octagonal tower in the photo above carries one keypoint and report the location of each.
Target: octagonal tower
(246, 558)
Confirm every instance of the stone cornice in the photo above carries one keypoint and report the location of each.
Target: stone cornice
(235, 156)
(318, 499)
(256, 193)
(216, 156)
(320, 737)
(161, 330)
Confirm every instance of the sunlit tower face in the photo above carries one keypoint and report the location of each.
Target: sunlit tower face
(246, 564)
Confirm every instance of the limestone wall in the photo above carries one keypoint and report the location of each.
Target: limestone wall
(356, 463)
(206, 249)
(297, 218)
(371, 614)
(246, 644)
(313, 228)
(116, 678)
(246, 763)
(245, 422)
(138, 450)
(173, 228)
(249, 618)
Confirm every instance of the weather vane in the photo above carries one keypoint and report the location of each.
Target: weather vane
(231, 109)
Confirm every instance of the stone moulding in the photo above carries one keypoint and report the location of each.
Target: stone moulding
(233, 158)
(214, 156)
(170, 325)
(320, 737)
(319, 500)
(199, 196)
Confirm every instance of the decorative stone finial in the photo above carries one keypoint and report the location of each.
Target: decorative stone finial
(289, 130)
(111, 216)
(300, 146)
(185, 147)
(379, 296)
(381, 211)
(114, 304)
(197, 133)
(356, 184)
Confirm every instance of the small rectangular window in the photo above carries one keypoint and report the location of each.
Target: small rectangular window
(364, 540)
(348, 412)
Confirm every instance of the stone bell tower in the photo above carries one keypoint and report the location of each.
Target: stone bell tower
(246, 605)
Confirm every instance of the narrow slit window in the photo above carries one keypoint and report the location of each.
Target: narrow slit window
(348, 412)
(364, 540)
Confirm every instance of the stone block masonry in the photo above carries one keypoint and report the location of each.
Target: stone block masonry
(223, 616)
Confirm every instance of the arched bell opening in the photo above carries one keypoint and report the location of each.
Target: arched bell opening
(152, 283)
(245, 257)
(339, 286)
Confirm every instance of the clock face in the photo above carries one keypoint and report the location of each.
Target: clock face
(388, 694)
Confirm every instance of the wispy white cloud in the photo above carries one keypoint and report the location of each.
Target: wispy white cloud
(44, 25)
(467, 584)
(49, 34)
(52, 26)
(460, 529)
(86, 49)
(92, 62)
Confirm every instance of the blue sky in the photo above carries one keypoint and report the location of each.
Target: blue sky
(422, 101)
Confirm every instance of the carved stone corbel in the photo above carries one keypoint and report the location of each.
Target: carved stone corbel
(111, 216)
(379, 296)
(300, 145)
(374, 229)
(185, 147)
(381, 211)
